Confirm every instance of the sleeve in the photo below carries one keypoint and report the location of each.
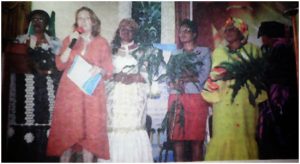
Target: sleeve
(205, 68)
(106, 59)
(59, 64)
(55, 44)
(210, 90)
(22, 38)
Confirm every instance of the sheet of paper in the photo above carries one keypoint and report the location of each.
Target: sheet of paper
(80, 74)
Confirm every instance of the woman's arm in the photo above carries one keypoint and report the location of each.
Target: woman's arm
(61, 59)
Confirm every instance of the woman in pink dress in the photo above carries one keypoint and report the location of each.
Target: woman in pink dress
(79, 120)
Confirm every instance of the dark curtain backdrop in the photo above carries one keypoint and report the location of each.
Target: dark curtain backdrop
(14, 19)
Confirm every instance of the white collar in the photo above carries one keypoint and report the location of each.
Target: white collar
(126, 46)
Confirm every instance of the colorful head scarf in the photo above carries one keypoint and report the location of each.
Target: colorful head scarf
(239, 24)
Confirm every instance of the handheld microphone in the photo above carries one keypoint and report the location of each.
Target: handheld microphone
(80, 30)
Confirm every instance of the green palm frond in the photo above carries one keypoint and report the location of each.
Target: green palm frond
(246, 69)
(52, 25)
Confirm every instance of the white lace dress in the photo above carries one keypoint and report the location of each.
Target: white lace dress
(128, 139)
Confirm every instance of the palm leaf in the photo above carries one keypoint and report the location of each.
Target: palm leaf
(52, 25)
(246, 69)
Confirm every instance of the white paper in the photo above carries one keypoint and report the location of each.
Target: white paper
(80, 74)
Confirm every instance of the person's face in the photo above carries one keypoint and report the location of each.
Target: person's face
(186, 34)
(232, 34)
(38, 23)
(84, 20)
(126, 33)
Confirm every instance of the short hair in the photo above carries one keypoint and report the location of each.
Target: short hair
(190, 24)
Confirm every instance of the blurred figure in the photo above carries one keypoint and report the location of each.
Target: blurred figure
(127, 99)
(234, 121)
(32, 91)
(278, 130)
(186, 92)
(79, 120)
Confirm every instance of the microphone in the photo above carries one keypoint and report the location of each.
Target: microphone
(80, 30)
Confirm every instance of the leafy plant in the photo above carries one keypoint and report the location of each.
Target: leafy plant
(148, 16)
(151, 58)
(170, 118)
(246, 69)
(181, 65)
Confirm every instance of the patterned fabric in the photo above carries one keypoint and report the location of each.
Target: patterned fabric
(30, 113)
(234, 124)
(128, 139)
(239, 24)
(195, 114)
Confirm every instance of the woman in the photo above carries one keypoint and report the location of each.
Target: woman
(186, 91)
(79, 120)
(234, 122)
(127, 100)
(32, 92)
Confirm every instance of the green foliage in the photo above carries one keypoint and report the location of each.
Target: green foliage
(148, 16)
(170, 117)
(151, 58)
(242, 70)
(52, 25)
(179, 65)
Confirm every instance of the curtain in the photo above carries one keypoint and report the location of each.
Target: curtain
(182, 11)
(14, 19)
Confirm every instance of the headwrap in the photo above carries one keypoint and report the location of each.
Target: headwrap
(239, 24)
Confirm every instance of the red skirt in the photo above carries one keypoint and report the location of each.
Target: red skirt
(194, 113)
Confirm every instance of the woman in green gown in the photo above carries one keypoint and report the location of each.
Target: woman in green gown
(234, 122)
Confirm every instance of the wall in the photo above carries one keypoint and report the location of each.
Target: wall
(110, 14)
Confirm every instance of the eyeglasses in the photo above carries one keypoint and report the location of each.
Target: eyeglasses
(186, 30)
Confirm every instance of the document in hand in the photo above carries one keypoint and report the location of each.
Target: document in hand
(80, 74)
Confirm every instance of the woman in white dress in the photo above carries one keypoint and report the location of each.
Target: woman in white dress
(127, 100)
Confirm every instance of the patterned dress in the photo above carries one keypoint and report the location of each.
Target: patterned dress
(234, 124)
(31, 105)
(128, 139)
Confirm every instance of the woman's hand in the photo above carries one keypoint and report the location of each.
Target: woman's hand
(66, 54)
(177, 85)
